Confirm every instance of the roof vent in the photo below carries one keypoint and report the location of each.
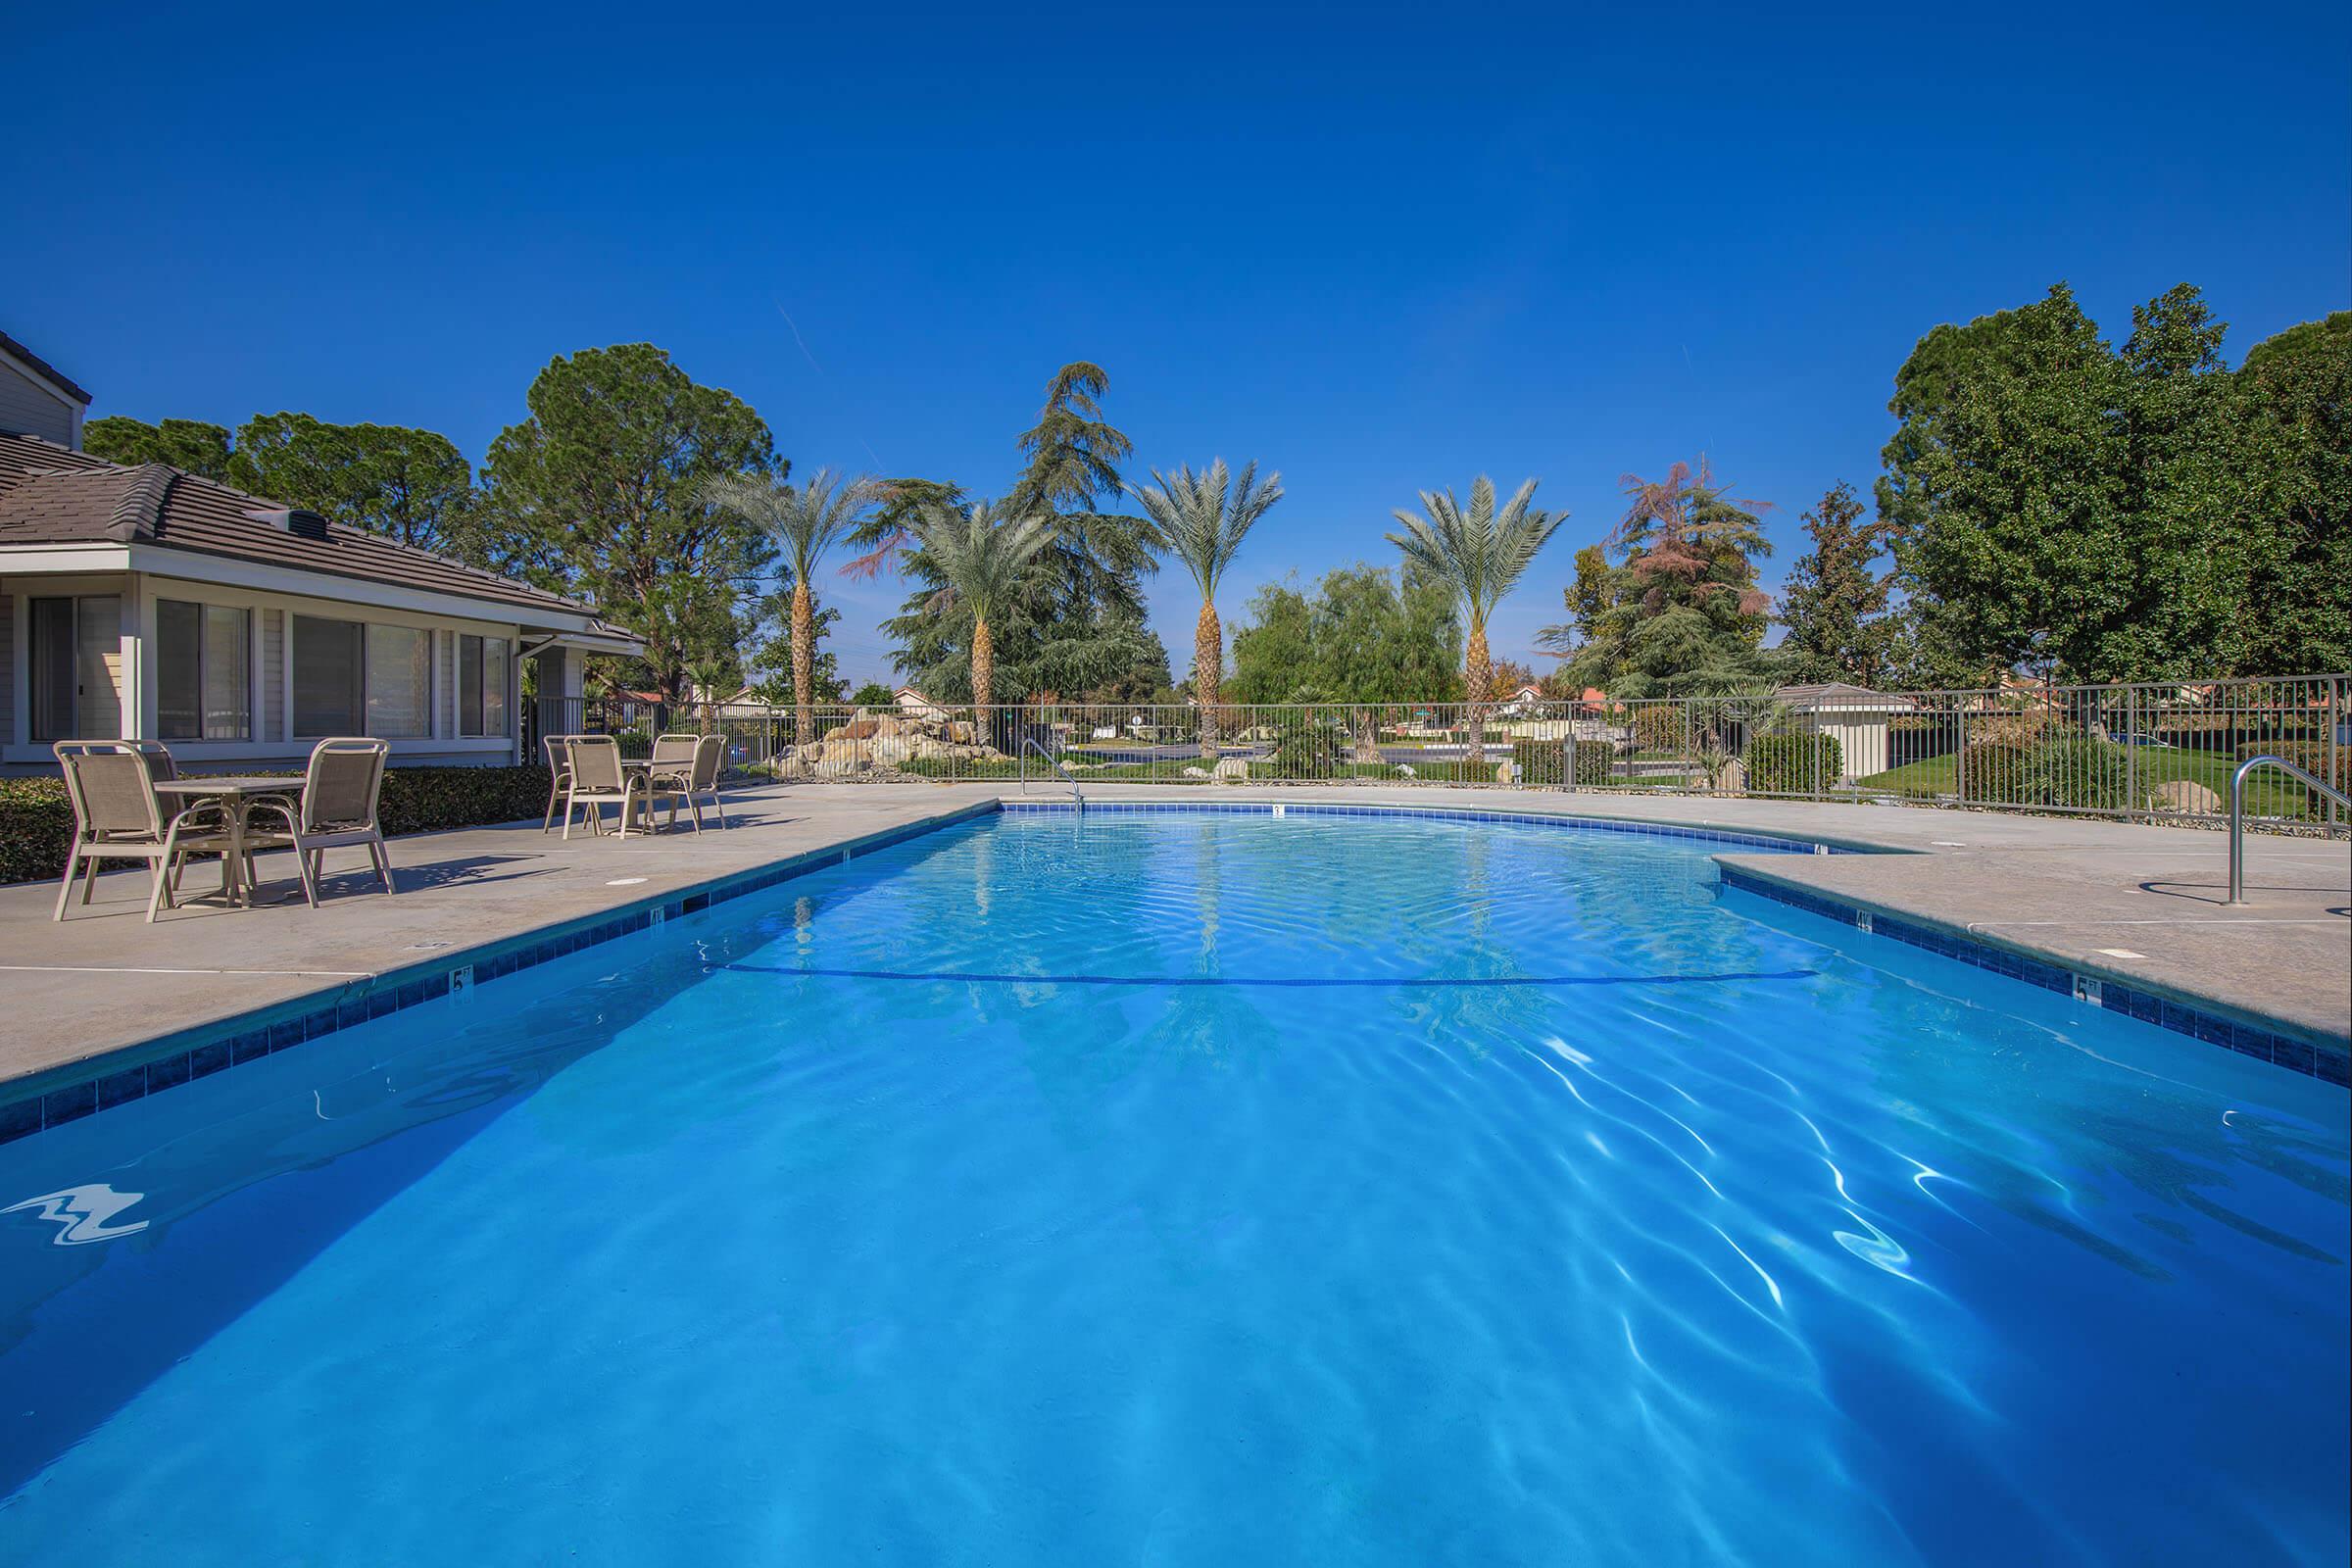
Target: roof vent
(291, 519)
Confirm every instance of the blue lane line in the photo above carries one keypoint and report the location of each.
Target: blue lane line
(1285, 983)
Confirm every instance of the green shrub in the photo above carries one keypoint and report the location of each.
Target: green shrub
(1792, 763)
(1455, 772)
(1540, 762)
(1996, 772)
(1595, 763)
(1307, 744)
(2079, 772)
(36, 828)
(36, 819)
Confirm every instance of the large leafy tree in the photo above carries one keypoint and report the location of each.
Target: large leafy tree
(2297, 393)
(413, 486)
(982, 553)
(1201, 520)
(1680, 612)
(803, 520)
(192, 446)
(2114, 515)
(1834, 600)
(604, 492)
(1359, 639)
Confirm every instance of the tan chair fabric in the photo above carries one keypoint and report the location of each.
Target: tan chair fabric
(341, 789)
(118, 817)
(599, 780)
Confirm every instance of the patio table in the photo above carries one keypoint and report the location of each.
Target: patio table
(236, 792)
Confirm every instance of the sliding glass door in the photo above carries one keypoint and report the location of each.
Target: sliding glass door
(76, 673)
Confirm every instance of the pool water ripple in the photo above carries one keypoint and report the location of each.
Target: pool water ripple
(1202, 1190)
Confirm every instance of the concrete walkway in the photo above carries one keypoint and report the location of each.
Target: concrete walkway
(2141, 904)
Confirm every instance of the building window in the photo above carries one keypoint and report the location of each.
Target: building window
(399, 681)
(327, 697)
(77, 668)
(202, 671)
(483, 664)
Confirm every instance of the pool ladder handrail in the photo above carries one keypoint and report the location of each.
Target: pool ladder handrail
(1030, 743)
(2238, 814)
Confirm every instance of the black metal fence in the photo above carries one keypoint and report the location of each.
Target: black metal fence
(2143, 752)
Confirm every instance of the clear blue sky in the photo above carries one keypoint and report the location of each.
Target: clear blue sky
(1378, 250)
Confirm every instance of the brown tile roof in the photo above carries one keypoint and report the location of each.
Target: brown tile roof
(18, 350)
(53, 495)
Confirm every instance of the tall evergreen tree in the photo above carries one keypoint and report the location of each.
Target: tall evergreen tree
(1834, 603)
(1681, 613)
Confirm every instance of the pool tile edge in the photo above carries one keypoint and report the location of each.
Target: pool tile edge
(71, 1090)
(2266, 1040)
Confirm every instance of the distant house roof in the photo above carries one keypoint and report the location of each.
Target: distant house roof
(53, 495)
(1841, 694)
(42, 368)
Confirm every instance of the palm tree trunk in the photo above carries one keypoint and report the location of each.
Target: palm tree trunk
(803, 663)
(984, 679)
(1477, 672)
(1208, 668)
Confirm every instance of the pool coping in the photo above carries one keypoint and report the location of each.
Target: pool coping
(69, 1091)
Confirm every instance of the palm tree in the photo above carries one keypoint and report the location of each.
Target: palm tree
(983, 553)
(805, 521)
(709, 675)
(1481, 554)
(1201, 518)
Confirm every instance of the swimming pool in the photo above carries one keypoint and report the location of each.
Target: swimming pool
(1188, 1188)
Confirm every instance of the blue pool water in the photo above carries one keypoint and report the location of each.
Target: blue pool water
(1197, 1190)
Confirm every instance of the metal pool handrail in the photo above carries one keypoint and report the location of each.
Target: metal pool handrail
(1030, 743)
(2238, 813)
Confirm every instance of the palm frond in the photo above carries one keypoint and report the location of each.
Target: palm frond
(1201, 518)
(1481, 552)
(805, 519)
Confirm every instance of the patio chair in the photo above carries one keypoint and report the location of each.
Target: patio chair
(598, 780)
(692, 782)
(338, 810)
(118, 817)
(558, 775)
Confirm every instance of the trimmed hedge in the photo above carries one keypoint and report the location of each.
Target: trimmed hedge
(1792, 763)
(36, 820)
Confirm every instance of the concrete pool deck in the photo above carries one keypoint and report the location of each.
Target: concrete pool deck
(2137, 904)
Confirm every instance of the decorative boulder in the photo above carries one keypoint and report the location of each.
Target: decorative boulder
(2188, 795)
(1232, 770)
(1195, 772)
(1507, 772)
(1406, 771)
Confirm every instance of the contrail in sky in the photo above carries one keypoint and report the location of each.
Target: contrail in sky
(820, 373)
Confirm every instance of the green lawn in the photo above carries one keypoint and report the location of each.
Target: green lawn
(2268, 794)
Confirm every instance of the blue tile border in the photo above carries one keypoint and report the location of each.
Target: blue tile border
(2249, 1039)
(1728, 838)
(173, 1060)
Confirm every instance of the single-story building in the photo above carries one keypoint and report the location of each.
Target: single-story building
(1858, 716)
(146, 603)
(915, 705)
